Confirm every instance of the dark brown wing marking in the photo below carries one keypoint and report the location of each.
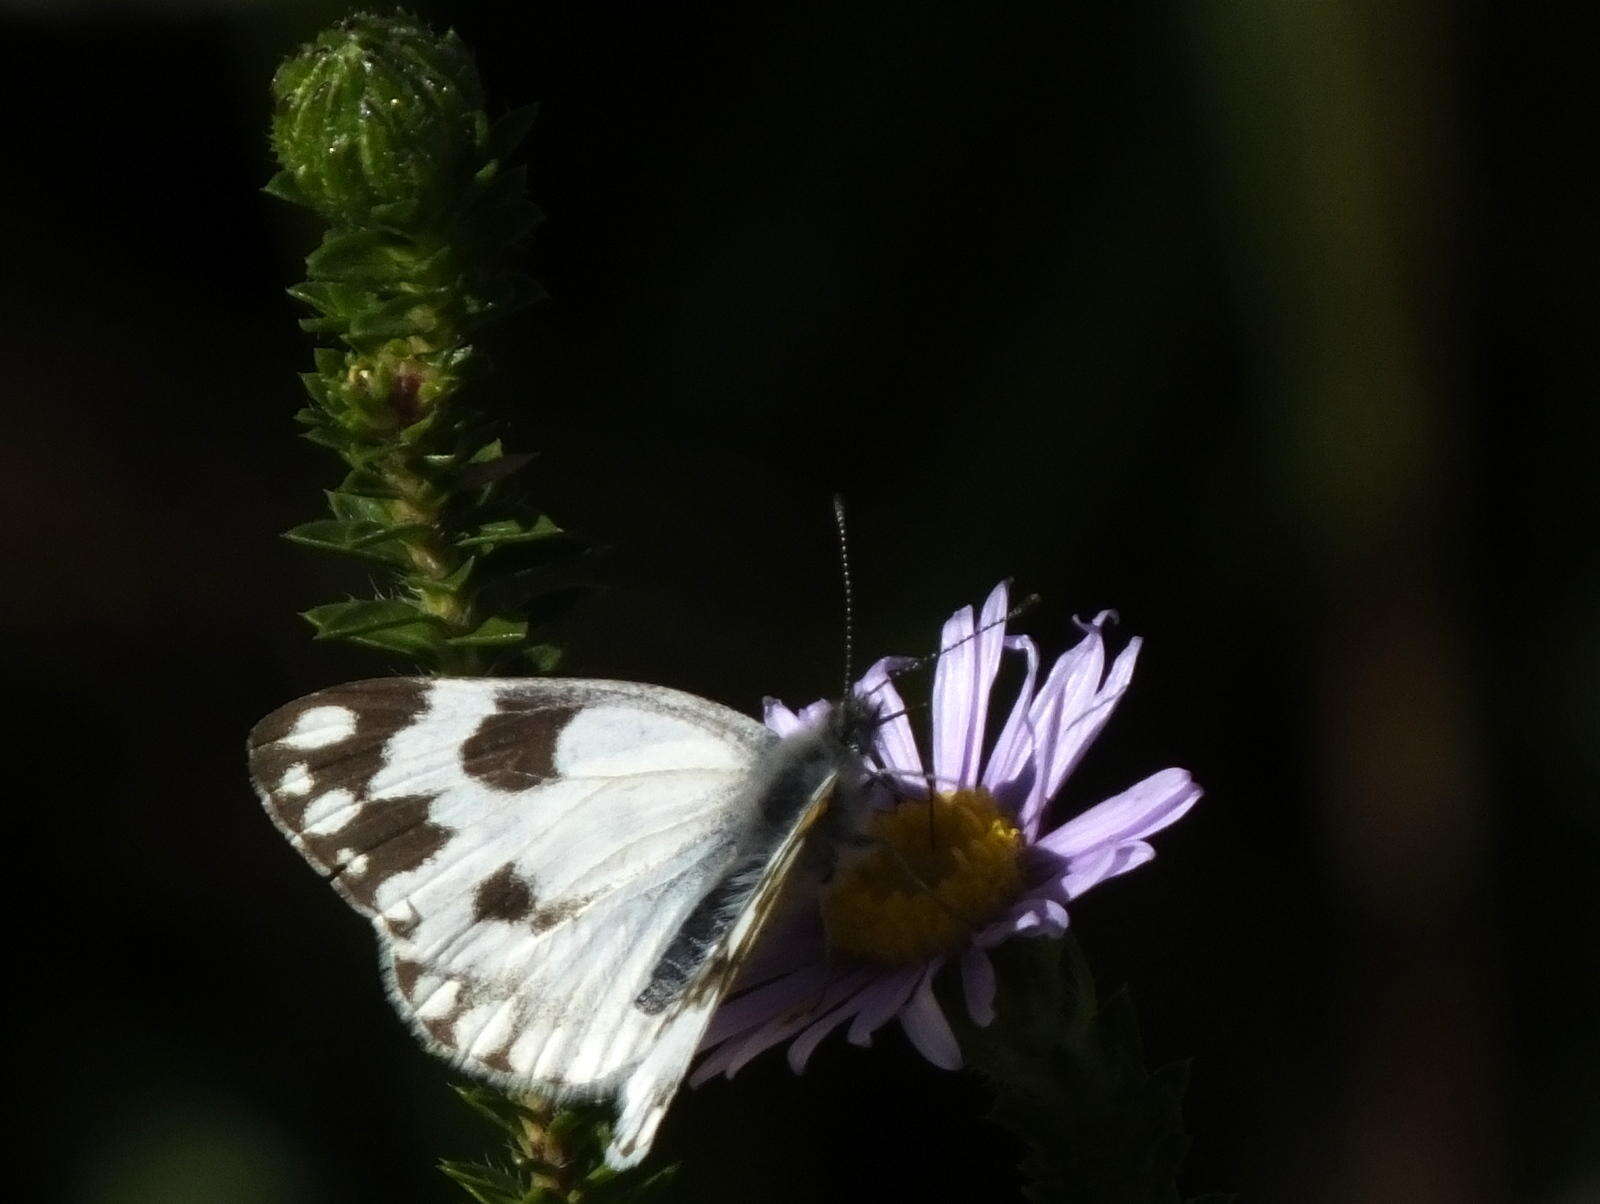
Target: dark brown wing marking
(503, 895)
(381, 708)
(514, 748)
(381, 837)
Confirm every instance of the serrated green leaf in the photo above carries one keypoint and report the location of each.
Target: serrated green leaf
(326, 437)
(375, 541)
(357, 507)
(316, 387)
(491, 1105)
(417, 641)
(397, 317)
(509, 531)
(346, 620)
(283, 186)
(365, 482)
(334, 299)
(372, 259)
(495, 632)
(488, 1185)
(481, 473)
(446, 587)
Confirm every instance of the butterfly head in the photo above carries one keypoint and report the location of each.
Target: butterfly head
(853, 721)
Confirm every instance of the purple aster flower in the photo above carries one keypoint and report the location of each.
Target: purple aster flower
(963, 856)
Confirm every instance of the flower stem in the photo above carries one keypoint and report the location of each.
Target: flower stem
(380, 129)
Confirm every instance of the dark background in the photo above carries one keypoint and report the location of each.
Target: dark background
(1267, 324)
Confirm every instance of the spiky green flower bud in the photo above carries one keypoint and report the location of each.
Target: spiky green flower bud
(377, 119)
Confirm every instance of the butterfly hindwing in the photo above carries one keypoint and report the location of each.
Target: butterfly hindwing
(562, 873)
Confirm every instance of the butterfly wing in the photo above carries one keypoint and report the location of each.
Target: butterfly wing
(562, 873)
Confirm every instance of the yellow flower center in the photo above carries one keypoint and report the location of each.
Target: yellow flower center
(941, 867)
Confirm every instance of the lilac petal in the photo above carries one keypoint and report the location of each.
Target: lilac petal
(978, 982)
(732, 1056)
(1161, 799)
(952, 694)
(1013, 751)
(1068, 688)
(1130, 857)
(1081, 731)
(806, 1043)
(753, 1008)
(886, 997)
(1084, 872)
(925, 1025)
(893, 743)
(813, 715)
(1092, 869)
(779, 717)
(1033, 916)
(785, 722)
(969, 658)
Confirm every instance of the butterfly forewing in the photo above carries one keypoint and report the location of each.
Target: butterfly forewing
(561, 872)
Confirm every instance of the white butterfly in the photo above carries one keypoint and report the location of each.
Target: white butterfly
(564, 875)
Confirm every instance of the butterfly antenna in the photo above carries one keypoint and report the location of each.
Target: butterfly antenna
(922, 662)
(849, 596)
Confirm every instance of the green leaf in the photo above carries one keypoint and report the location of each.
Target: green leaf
(492, 1106)
(417, 313)
(489, 536)
(347, 620)
(488, 1185)
(284, 188)
(339, 302)
(543, 657)
(364, 482)
(420, 641)
(358, 507)
(495, 632)
(369, 540)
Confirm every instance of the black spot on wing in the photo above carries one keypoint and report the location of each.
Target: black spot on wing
(503, 895)
(515, 748)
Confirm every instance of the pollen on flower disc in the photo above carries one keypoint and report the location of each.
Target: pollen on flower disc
(942, 867)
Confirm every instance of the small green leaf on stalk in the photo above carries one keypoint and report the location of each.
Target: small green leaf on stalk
(509, 530)
(492, 1105)
(371, 258)
(421, 641)
(343, 620)
(368, 540)
(495, 632)
(358, 507)
(488, 1185)
(439, 588)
